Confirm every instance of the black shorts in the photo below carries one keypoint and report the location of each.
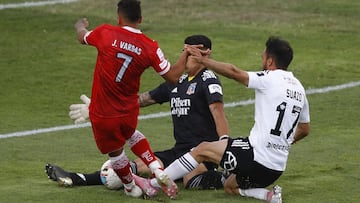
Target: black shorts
(170, 155)
(238, 159)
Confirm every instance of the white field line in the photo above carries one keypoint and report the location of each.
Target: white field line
(33, 3)
(163, 114)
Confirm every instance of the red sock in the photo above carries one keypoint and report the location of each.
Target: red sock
(140, 146)
(121, 166)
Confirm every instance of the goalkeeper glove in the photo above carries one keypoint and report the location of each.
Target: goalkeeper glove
(79, 113)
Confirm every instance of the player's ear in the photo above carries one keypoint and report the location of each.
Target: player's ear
(140, 20)
(269, 61)
(120, 20)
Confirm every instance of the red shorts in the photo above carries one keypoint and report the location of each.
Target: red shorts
(111, 133)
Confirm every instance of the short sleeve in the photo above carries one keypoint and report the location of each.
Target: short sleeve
(93, 37)
(305, 112)
(258, 80)
(212, 87)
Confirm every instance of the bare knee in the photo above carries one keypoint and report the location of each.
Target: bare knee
(201, 147)
(199, 152)
(209, 151)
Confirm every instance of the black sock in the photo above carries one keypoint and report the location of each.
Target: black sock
(86, 179)
(205, 181)
(133, 167)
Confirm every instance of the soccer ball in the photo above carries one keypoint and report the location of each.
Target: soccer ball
(109, 178)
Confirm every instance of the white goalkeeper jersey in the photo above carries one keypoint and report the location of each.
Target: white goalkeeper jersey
(280, 103)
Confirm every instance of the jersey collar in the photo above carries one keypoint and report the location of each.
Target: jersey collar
(131, 29)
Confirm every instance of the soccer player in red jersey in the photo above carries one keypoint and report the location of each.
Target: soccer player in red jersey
(124, 52)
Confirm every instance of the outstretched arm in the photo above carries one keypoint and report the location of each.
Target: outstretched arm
(177, 69)
(226, 69)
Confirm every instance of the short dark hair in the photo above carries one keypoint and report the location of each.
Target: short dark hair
(130, 9)
(280, 50)
(198, 39)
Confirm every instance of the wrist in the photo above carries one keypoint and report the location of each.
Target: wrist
(224, 137)
(81, 29)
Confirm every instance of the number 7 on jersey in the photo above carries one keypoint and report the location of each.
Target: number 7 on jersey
(125, 65)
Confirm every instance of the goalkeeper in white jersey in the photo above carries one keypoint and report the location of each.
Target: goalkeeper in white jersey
(281, 119)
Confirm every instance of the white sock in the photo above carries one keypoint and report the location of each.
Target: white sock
(258, 193)
(154, 166)
(122, 157)
(130, 185)
(181, 166)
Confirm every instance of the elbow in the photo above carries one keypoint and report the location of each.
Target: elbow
(175, 79)
(306, 129)
(80, 36)
(302, 131)
(172, 80)
(233, 72)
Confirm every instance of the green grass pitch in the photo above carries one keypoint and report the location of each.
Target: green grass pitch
(43, 69)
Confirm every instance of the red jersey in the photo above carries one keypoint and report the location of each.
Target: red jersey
(123, 55)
